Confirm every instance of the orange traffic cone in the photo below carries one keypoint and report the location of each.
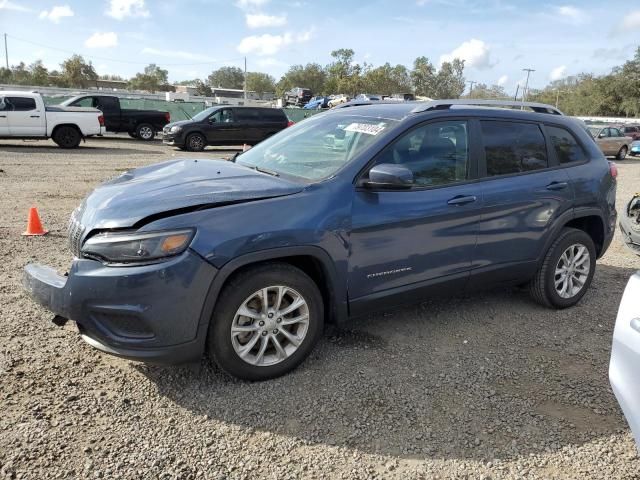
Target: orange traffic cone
(34, 226)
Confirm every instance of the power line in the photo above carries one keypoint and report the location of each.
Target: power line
(212, 62)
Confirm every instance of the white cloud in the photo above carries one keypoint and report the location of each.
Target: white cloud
(268, 44)
(571, 14)
(251, 4)
(631, 21)
(57, 13)
(196, 57)
(558, 73)
(503, 80)
(260, 20)
(120, 9)
(474, 52)
(7, 5)
(270, 62)
(102, 40)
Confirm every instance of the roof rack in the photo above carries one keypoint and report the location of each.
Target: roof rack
(446, 104)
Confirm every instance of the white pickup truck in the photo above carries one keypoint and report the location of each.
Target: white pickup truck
(24, 115)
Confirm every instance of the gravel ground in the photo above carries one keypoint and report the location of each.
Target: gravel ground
(483, 386)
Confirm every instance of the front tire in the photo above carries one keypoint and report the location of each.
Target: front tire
(195, 142)
(67, 136)
(622, 154)
(145, 132)
(267, 321)
(566, 271)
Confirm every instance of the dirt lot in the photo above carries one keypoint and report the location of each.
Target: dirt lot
(485, 386)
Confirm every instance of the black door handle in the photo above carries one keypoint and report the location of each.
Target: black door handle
(35, 116)
(557, 186)
(3, 116)
(462, 200)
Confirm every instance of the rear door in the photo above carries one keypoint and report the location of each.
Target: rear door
(523, 192)
(110, 107)
(249, 125)
(24, 116)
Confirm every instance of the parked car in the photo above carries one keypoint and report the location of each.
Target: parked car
(224, 125)
(611, 141)
(624, 366)
(368, 97)
(337, 100)
(634, 151)
(317, 103)
(142, 124)
(24, 115)
(297, 96)
(404, 97)
(247, 260)
(632, 131)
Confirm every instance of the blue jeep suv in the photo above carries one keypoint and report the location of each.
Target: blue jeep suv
(345, 213)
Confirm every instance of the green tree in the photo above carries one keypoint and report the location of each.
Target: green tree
(20, 74)
(5, 75)
(260, 83)
(152, 79)
(202, 88)
(76, 72)
(423, 77)
(343, 75)
(386, 80)
(39, 73)
(310, 76)
(493, 92)
(226, 77)
(450, 80)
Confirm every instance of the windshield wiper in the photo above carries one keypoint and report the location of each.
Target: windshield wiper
(266, 170)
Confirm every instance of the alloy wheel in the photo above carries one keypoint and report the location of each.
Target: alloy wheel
(270, 325)
(572, 271)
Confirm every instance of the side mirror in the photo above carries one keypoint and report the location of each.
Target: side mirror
(389, 176)
(602, 135)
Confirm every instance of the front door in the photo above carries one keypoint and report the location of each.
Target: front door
(222, 129)
(4, 118)
(407, 243)
(24, 117)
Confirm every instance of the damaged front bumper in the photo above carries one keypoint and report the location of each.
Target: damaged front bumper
(151, 313)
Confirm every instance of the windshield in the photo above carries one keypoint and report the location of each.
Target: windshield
(594, 131)
(317, 147)
(204, 114)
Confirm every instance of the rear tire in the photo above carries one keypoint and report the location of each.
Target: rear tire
(566, 271)
(67, 136)
(145, 132)
(268, 341)
(195, 142)
(622, 154)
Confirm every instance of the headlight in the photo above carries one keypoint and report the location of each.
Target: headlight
(175, 129)
(137, 247)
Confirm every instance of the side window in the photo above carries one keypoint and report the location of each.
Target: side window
(436, 153)
(567, 148)
(222, 116)
(615, 132)
(22, 104)
(3, 105)
(246, 115)
(512, 147)
(84, 102)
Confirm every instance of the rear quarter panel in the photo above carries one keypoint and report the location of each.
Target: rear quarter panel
(87, 122)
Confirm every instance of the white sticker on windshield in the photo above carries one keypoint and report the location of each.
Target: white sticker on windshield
(366, 128)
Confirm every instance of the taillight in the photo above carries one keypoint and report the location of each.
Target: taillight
(613, 170)
(101, 120)
(290, 123)
(167, 116)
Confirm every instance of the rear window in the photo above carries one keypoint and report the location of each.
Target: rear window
(568, 150)
(512, 147)
(21, 104)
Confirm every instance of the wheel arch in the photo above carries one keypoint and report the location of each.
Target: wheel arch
(593, 225)
(314, 261)
(72, 125)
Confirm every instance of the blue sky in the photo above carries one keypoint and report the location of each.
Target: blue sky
(190, 38)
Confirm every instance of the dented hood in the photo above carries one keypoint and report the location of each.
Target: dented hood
(174, 187)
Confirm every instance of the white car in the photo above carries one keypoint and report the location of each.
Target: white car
(24, 115)
(624, 367)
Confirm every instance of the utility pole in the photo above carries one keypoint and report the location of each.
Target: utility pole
(557, 96)
(515, 97)
(526, 85)
(245, 79)
(471, 84)
(6, 51)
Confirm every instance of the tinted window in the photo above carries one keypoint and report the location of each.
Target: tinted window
(107, 103)
(84, 102)
(512, 147)
(567, 148)
(437, 153)
(247, 115)
(615, 132)
(222, 116)
(21, 104)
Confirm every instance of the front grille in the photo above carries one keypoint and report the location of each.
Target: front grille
(75, 232)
